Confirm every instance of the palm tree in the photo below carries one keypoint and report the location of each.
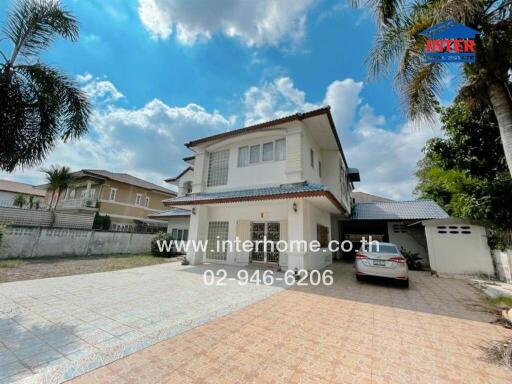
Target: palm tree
(419, 83)
(58, 179)
(65, 179)
(19, 201)
(40, 104)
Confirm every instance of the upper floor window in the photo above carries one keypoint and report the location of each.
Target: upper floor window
(138, 197)
(146, 202)
(218, 168)
(243, 156)
(268, 151)
(113, 194)
(255, 154)
(187, 187)
(280, 148)
(274, 150)
(312, 158)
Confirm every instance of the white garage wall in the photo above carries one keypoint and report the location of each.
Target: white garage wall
(458, 248)
(408, 238)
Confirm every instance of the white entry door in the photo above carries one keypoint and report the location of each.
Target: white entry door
(270, 230)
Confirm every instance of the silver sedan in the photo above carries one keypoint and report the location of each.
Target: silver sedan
(384, 260)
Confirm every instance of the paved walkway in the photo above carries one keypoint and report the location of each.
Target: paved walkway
(57, 328)
(347, 333)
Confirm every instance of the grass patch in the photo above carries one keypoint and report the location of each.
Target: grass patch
(499, 302)
(10, 263)
(500, 352)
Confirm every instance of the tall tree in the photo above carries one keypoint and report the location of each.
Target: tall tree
(39, 104)
(465, 171)
(399, 43)
(58, 179)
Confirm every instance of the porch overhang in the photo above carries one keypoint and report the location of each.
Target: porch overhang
(282, 192)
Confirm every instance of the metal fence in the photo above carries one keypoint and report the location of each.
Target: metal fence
(44, 218)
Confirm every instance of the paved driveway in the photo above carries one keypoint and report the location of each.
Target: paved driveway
(347, 333)
(57, 328)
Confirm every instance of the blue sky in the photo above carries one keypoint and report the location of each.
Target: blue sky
(162, 72)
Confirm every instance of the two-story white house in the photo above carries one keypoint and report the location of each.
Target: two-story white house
(285, 179)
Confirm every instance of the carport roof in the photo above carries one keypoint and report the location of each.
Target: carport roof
(399, 210)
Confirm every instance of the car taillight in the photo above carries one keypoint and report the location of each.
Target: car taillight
(361, 256)
(397, 259)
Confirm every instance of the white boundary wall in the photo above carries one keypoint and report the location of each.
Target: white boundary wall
(503, 260)
(27, 242)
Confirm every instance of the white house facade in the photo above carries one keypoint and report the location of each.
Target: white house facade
(283, 180)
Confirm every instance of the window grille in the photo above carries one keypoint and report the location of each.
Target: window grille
(218, 168)
(217, 234)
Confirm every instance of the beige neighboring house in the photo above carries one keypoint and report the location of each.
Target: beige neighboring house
(9, 190)
(127, 199)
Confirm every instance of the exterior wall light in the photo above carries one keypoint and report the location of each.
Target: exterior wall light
(294, 207)
(194, 210)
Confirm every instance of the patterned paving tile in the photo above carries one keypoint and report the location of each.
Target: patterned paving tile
(348, 333)
(58, 328)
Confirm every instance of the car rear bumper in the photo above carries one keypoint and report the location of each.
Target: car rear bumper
(398, 271)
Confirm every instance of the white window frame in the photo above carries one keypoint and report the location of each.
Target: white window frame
(138, 198)
(112, 196)
(243, 162)
(284, 149)
(146, 201)
(271, 152)
(256, 152)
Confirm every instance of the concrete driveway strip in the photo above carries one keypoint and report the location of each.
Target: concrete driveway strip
(54, 329)
(347, 333)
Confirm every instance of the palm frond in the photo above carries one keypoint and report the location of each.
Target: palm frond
(385, 10)
(73, 107)
(33, 25)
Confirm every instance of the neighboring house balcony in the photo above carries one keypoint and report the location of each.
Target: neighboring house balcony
(79, 203)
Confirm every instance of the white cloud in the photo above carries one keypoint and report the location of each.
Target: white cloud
(386, 158)
(256, 23)
(99, 90)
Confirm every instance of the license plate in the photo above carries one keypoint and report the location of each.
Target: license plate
(379, 262)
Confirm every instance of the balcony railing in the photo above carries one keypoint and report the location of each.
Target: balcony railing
(79, 203)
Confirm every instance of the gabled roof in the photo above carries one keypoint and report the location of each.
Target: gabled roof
(122, 178)
(399, 210)
(171, 179)
(283, 191)
(272, 123)
(22, 188)
(449, 30)
(175, 212)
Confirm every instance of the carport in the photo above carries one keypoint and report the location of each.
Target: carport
(395, 222)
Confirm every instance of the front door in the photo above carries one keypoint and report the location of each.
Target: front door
(259, 231)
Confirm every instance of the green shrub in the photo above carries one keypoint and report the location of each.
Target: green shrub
(101, 222)
(164, 238)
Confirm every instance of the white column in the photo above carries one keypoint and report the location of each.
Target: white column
(67, 194)
(200, 169)
(88, 190)
(297, 228)
(198, 231)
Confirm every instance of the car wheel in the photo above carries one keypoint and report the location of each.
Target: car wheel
(405, 283)
(359, 277)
